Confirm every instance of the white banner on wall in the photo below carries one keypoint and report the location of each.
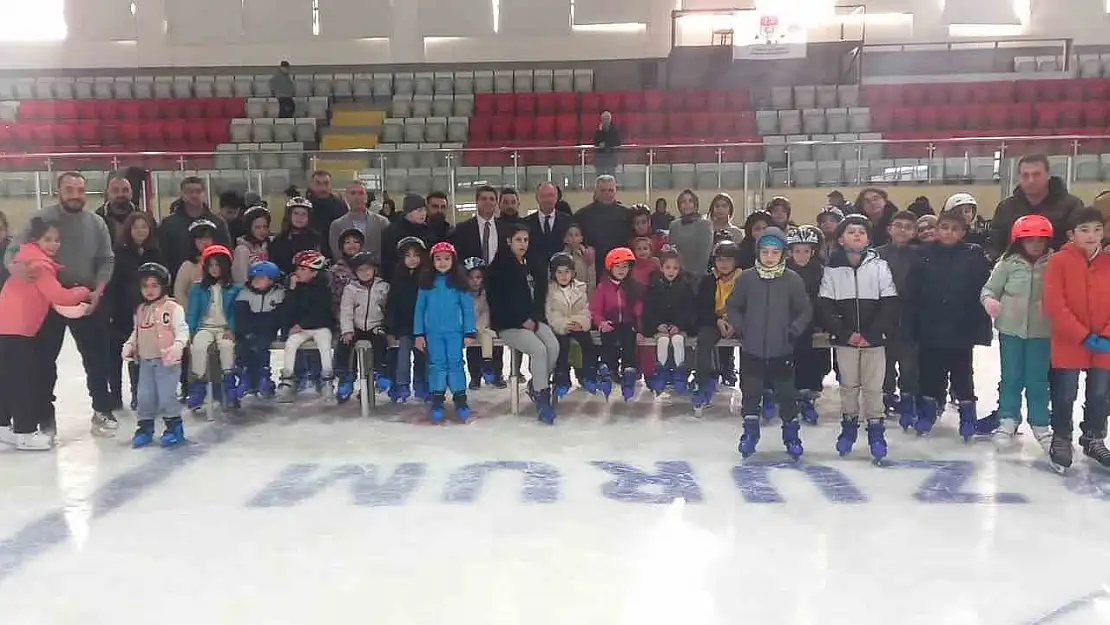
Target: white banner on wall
(768, 36)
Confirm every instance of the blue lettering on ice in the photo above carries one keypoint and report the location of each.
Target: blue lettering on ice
(674, 478)
(541, 481)
(947, 481)
(299, 482)
(1088, 484)
(753, 480)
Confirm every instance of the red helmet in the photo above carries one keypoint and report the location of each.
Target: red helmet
(617, 256)
(1031, 226)
(443, 246)
(311, 259)
(213, 250)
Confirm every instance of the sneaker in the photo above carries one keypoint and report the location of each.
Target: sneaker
(7, 436)
(475, 384)
(104, 424)
(499, 383)
(35, 441)
(1003, 436)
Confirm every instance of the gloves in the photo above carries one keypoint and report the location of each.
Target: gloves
(992, 306)
(1098, 344)
(172, 354)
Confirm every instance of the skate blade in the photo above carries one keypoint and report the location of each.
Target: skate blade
(101, 432)
(1059, 469)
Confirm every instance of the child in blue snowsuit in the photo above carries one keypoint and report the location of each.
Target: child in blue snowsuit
(257, 322)
(443, 325)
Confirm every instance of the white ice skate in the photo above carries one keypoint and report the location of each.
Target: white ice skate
(326, 387)
(287, 390)
(35, 441)
(1044, 438)
(8, 437)
(104, 424)
(1004, 436)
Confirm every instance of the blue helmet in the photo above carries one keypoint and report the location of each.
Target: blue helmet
(264, 268)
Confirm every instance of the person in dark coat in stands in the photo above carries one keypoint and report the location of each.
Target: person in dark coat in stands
(607, 139)
(136, 245)
(606, 223)
(1038, 193)
(874, 204)
(117, 205)
(173, 233)
(326, 206)
(561, 205)
(921, 207)
(413, 223)
(297, 235)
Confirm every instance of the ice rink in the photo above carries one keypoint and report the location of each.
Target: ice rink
(622, 514)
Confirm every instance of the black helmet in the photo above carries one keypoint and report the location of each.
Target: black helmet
(255, 212)
(156, 271)
(727, 249)
(561, 259)
(364, 258)
(351, 232)
(411, 242)
(202, 228)
(854, 219)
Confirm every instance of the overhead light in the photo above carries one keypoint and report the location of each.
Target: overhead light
(987, 30)
(623, 27)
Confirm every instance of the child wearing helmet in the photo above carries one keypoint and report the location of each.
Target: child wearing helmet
(443, 324)
(711, 318)
(901, 384)
(136, 245)
(668, 316)
(362, 318)
(258, 310)
(341, 273)
(307, 316)
(616, 309)
(568, 314)
(211, 318)
(297, 235)
(479, 359)
(202, 232)
(253, 246)
(25, 395)
(811, 364)
(410, 372)
(157, 344)
(1014, 297)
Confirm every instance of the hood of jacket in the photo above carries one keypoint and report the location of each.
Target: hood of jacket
(31, 255)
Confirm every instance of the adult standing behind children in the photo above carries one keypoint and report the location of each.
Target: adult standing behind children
(1038, 193)
(87, 260)
(371, 225)
(173, 233)
(326, 206)
(412, 224)
(605, 223)
(691, 234)
(546, 227)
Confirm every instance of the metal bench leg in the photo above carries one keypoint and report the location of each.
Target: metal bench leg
(514, 385)
(365, 355)
(214, 379)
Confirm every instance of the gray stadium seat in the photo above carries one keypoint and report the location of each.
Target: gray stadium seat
(43, 89)
(804, 174)
(824, 151)
(782, 97)
(104, 88)
(563, 80)
(1086, 167)
(774, 149)
(522, 80)
(458, 128)
(421, 105)
(443, 84)
(292, 155)
(183, 86)
(827, 97)
(1048, 63)
(805, 97)
(363, 87)
(256, 107)
(859, 119)
(318, 108)
(424, 83)
(982, 168)
(204, 86)
(243, 86)
(435, 129)
(483, 81)
(871, 151)
(285, 130)
(503, 81)
(830, 173)
(464, 105)
(305, 129)
(684, 176)
(406, 155)
(404, 83)
(799, 152)
(225, 156)
(269, 155)
(464, 82)
(443, 106)
(260, 85)
(382, 85)
(393, 130)
(401, 106)
(790, 122)
(767, 122)
(855, 172)
(124, 87)
(343, 86)
(63, 88)
(240, 130)
(262, 130)
(143, 88)
(25, 89)
(836, 120)
(847, 96)
(813, 121)
(82, 89)
(322, 85)
(223, 87)
(583, 80)
(163, 87)
(414, 129)
(1025, 64)
(543, 80)
(847, 152)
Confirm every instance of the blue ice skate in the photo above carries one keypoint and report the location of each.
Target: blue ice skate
(628, 383)
(588, 380)
(382, 383)
(749, 439)
(890, 404)
(420, 390)
(988, 424)
(967, 419)
(437, 410)
(604, 380)
(174, 434)
(345, 388)
(657, 382)
(768, 405)
(561, 384)
(231, 390)
(462, 408)
(488, 377)
(303, 382)
(399, 394)
(907, 411)
(681, 379)
(266, 386)
(876, 439)
(790, 438)
(927, 412)
(144, 435)
(194, 397)
(544, 407)
(245, 387)
(806, 408)
(849, 430)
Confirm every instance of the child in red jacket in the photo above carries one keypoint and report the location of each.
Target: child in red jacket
(24, 392)
(615, 308)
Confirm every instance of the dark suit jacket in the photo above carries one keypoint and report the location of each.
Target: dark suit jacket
(467, 240)
(542, 247)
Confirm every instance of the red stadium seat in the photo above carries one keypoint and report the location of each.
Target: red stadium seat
(905, 118)
(65, 110)
(545, 128)
(1094, 114)
(149, 109)
(950, 118)
(634, 126)
(679, 125)
(959, 94)
(928, 118)
(87, 109)
(566, 128)
(23, 136)
(33, 110)
(1047, 114)
(1097, 89)
(64, 135)
(234, 108)
(524, 128)
(504, 103)
(129, 110)
(739, 100)
(1073, 90)
(198, 132)
(634, 102)
(567, 103)
(915, 94)
(999, 92)
(109, 111)
(480, 128)
(174, 131)
(674, 101)
(977, 116)
(591, 104)
(936, 95)
(484, 104)
(525, 104)
(151, 133)
(722, 126)
(88, 134)
(697, 101)
(745, 125)
(653, 101)
(1021, 116)
(656, 125)
(171, 109)
(700, 126)
(5, 136)
(501, 129)
(43, 133)
(1071, 114)
(547, 103)
(218, 131)
(612, 101)
(998, 116)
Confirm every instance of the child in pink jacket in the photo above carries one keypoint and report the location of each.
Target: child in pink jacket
(25, 394)
(615, 309)
(157, 343)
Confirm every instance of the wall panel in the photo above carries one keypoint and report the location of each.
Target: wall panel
(456, 18)
(611, 12)
(100, 20)
(355, 19)
(193, 22)
(529, 17)
(277, 20)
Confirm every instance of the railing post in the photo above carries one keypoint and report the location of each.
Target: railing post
(1071, 161)
(452, 184)
(516, 168)
(38, 190)
(155, 210)
(648, 174)
(930, 151)
(789, 165)
(381, 170)
(181, 163)
(720, 159)
(582, 169)
(50, 175)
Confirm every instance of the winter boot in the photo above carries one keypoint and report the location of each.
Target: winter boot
(703, 393)
(681, 379)
(345, 387)
(326, 386)
(1094, 447)
(988, 424)
(768, 405)
(907, 411)
(231, 390)
(876, 439)
(266, 384)
(382, 383)
(543, 404)
(287, 389)
(729, 378)
(628, 383)
(967, 419)
(604, 380)
(791, 439)
(104, 424)
(144, 435)
(1059, 453)
(399, 393)
(927, 411)
(1003, 436)
(806, 407)
(175, 432)
(462, 408)
(420, 390)
(749, 439)
(849, 430)
(247, 385)
(437, 411)
(194, 397)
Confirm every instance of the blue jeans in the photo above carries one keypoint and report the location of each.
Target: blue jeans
(409, 360)
(1025, 365)
(1065, 390)
(445, 362)
(158, 390)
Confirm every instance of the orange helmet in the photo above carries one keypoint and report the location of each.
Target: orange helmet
(617, 256)
(1031, 226)
(213, 250)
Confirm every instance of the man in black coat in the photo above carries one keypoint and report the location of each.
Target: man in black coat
(326, 206)
(412, 224)
(606, 224)
(547, 227)
(173, 232)
(117, 206)
(437, 215)
(1038, 193)
(508, 205)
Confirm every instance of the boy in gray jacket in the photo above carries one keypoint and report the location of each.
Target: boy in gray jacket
(769, 309)
(361, 318)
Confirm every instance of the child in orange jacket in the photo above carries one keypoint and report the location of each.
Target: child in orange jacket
(1077, 301)
(25, 394)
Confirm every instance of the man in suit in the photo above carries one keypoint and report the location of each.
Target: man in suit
(481, 236)
(546, 227)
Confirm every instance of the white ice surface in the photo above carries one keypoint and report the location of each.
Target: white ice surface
(190, 550)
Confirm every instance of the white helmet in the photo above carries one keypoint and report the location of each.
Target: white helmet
(959, 199)
(804, 235)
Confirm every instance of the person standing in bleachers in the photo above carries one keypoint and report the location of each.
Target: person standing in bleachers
(283, 88)
(607, 140)
(546, 227)
(173, 233)
(372, 225)
(605, 222)
(1038, 193)
(326, 206)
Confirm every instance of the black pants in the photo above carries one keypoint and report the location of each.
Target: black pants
(119, 335)
(26, 391)
(618, 348)
(589, 354)
(811, 364)
(759, 373)
(902, 374)
(707, 356)
(474, 362)
(91, 334)
(1065, 390)
(940, 366)
(345, 351)
(286, 107)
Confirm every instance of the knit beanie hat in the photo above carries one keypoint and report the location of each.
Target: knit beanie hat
(772, 237)
(413, 202)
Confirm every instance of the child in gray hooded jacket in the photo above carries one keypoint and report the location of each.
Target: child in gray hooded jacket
(361, 318)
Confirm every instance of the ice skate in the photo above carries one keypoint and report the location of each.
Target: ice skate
(604, 380)
(344, 387)
(462, 408)
(104, 424)
(287, 390)
(907, 411)
(876, 439)
(7, 436)
(791, 439)
(749, 439)
(488, 377)
(657, 382)
(681, 380)
(967, 419)
(988, 424)
(420, 390)
(849, 430)
(890, 404)
(231, 390)
(768, 405)
(266, 384)
(382, 383)
(437, 410)
(927, 411)
(561, 385)
(194, 397)
(246, 386)
(399, 394)
(1044, 438)
(1004, 436)
(35, 441)
(628, 383)
(144, 434)
(174, 434)
(729, 378)
(543, 404)
(326, 386)
(1094, 447)
(806, 408)
(1060, 453)
(703, 394)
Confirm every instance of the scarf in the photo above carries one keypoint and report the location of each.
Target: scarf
(770, 273)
